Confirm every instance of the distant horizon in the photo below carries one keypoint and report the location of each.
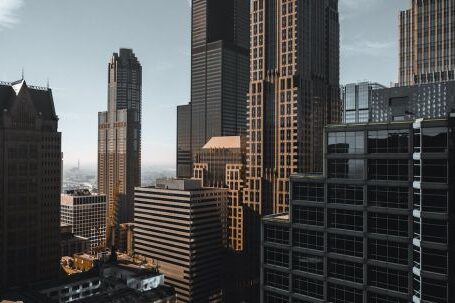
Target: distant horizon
(74, 60)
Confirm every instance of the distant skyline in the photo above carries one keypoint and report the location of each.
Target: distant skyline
(70, 43)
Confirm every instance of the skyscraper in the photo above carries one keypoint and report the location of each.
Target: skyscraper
(294, 92)
(219, 71)
(427, 38)
(184, 152)
(119, 136)
(30, 161)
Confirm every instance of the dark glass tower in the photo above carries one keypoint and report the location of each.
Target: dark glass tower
(30, 178)
(119, 141)
(219, 71)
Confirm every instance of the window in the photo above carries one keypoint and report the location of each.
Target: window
(344, 294)
(276, 234)
(308, 192)
(434, 230)
(434, 140)
(308, 215)
(434, 171)
(388, 224)
(308, 263)
(345, 169)
(345, 142)
(276, 279)
(434, 200)
(347, 245)
(388, 251)
(346, 270)
(434, 291)
(388, 141)
(308, 287)
(387, 278)
(345, 194)
(271, 297)
(389, 197)
(346, 219)
(308, 239)
(375, 298)
(434, 260)
(389, 170)
(276, 256)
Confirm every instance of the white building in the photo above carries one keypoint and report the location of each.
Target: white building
(86, 212)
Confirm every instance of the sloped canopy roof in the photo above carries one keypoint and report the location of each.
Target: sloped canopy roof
(223, 142)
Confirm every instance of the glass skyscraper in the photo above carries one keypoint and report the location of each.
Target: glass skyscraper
(356, 98)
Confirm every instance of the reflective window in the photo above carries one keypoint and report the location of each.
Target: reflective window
(434, 140)
(387, 196)
(434, 171)
(434, 291)
(307, 215)
(346, 270)
(434, 200)
(308, 239)
(387, 278)
(308, 192)
(345, 169)
(308, 287)
(276, 256)
(276, 279)
(271, 297)
(276, 234)
(388, 141)
(434, 230)
(344, 294)
(346, 219)
(388, 251)
(347, 245)
(434, 260)
(388, 224)
(391, 170)
(375, 298)
(345, 142)
(345, 194)
(308, 263)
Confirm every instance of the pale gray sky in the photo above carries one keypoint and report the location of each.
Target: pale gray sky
(71, 41)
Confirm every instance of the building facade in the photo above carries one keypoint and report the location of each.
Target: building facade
(356, 98)
(71, 244)
(427, 37)
(184, 151)
(219, 71)
(181, 226)
(30, 174)
(86, 213)
(375, 227)
(119, 136)
(431, 101)
(293, 94)
(221, 164)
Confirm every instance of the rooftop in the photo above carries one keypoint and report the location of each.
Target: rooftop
(178, 184)
(283, 217)
(223, 142)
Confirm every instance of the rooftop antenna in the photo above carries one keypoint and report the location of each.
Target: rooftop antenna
(22, 77)
(47, 82)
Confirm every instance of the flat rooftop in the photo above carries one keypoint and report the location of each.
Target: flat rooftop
(283, 217)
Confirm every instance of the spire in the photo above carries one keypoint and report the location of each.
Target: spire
(22, 76)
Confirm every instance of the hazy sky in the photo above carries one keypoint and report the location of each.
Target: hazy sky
(70, 43)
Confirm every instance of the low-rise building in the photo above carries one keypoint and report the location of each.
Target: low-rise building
(71, 244)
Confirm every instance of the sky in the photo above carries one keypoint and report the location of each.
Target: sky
(68, 43)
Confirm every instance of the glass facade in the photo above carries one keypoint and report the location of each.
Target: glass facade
(356, 101)
(375, 226)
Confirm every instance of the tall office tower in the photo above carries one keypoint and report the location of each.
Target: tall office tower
(86, 213)
(294, 93)
(184, 152)
(219, 70)
(181, 226)
(376, 227)
(427, 37)
(221, 164)
(356, 99)
(30, 164)
(119, 136)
